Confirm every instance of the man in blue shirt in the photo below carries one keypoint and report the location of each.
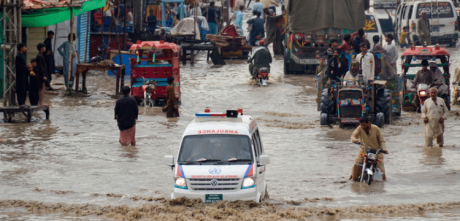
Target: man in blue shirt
(259, 7)
(210, 14)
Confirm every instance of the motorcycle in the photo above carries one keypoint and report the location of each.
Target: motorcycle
(101, 51)
(262, 77)
(423, 92)
(369, 163)
(147, 88)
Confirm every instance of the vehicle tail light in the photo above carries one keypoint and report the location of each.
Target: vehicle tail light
(413, 27)
(207, 110)
(456, 25)
(240, 111)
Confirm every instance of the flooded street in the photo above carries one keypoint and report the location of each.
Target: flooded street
(75, 157)
(72, 166)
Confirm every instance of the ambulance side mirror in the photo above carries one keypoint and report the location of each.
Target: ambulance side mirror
(169, 160)
(264, 160)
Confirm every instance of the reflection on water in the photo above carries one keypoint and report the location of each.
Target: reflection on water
(129, 152)
(365, 189)
(432, 156)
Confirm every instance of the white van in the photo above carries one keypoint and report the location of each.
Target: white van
(442, 17)
(221, 157)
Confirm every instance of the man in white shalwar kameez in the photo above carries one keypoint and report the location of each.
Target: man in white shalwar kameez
(366, 61)
(434, 113)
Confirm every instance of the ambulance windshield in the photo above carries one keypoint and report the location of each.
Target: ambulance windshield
(216, 148)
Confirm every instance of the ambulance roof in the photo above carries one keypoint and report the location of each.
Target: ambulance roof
(220, 124)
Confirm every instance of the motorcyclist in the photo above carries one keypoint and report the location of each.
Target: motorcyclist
(438, 79)
(423, 76)
(371, 136)
(260, 58)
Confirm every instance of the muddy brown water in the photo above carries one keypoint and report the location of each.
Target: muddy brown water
(75, 158)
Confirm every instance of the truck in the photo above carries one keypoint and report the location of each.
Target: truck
(310, 25)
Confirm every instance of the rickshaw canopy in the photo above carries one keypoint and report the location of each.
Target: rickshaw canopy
(152, 45)
(426, 52)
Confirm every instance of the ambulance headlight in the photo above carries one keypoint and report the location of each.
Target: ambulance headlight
(248, 182)
(180, 183)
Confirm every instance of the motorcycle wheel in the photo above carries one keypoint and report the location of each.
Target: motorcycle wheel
(369, 179)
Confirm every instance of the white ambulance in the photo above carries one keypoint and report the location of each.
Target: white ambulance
(221, 157)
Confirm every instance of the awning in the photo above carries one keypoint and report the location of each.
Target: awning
(51, 16)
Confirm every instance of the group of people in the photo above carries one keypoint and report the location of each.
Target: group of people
(175, 11)
(36, 76)
(339, 68)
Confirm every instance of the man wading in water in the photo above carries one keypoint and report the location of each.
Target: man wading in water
(434, 113)
(126, 113)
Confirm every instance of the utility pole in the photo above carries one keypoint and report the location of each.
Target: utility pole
(12, 31)
(69, 78)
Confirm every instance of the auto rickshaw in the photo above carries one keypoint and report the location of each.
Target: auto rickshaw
(411, 58)
(152, 62)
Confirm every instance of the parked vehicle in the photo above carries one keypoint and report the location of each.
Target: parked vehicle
(101, 53)
(304, 44)
(369, 164)
(221, 157)
(378, 22)
(154, 61)
(442, 16)
(411, 63)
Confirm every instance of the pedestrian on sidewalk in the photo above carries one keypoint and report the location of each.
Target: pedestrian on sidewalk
(41, 73)
(22, 75)
(64, 50)
(33, 83)
(126, 113)
(49, 57)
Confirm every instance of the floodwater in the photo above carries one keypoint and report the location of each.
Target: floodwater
(73, 168)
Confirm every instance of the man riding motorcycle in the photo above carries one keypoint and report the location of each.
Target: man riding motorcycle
(438, 79)
(371, 136)
(260, 58)
(424, 76)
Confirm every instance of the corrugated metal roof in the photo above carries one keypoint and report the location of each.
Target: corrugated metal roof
(41, 4)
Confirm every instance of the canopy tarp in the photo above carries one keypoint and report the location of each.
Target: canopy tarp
(51, 16)
(310, 15)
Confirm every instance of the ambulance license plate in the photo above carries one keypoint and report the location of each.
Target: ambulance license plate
(209, 198)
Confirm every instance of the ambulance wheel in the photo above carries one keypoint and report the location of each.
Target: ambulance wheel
(379, 119)
(324, 119)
